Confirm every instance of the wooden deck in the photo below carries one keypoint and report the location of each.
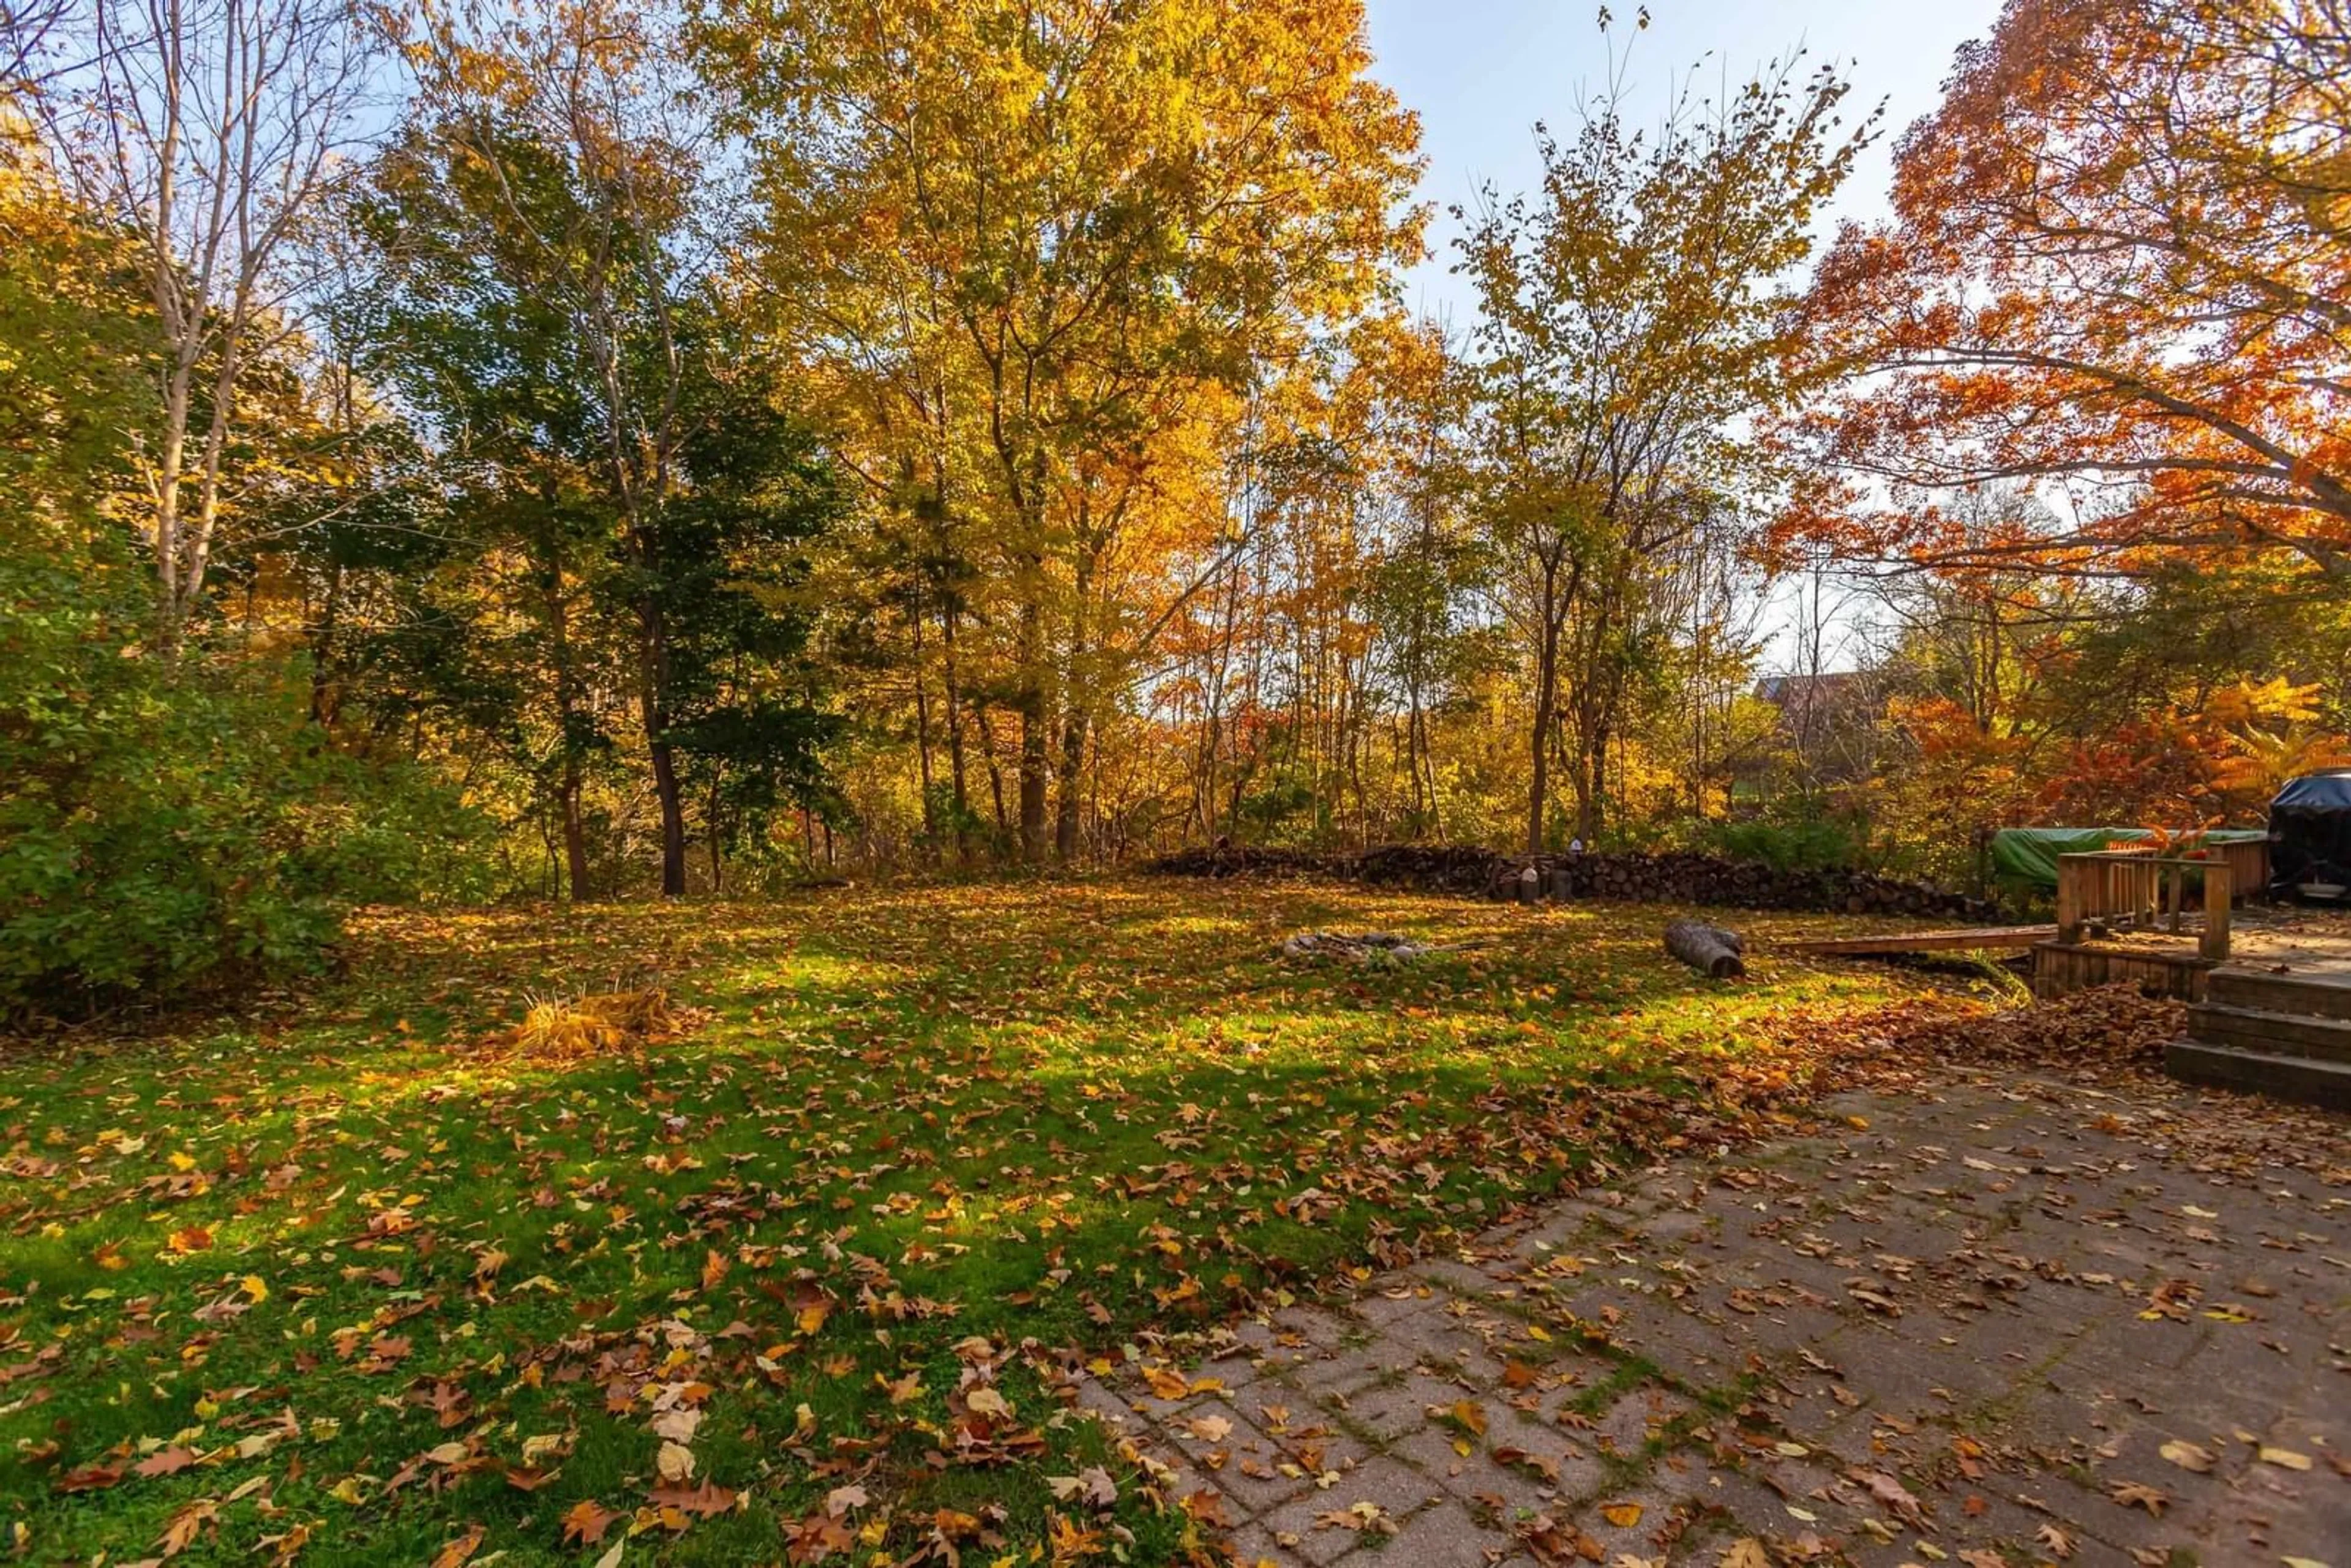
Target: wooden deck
(1960, 939)
(2296, 944)
(2123, 918)
(2061, 968)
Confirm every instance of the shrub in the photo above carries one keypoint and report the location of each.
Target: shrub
(1789, 840)
(165, 827)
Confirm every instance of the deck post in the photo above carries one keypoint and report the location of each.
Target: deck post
(2217, 895)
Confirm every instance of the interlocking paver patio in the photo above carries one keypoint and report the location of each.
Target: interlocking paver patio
(1959, 1324)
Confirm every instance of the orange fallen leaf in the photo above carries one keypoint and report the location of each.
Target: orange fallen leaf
(586, 1521)
(1467, 1413)
(185, 1523)
(1167, 1384)
(705, 1500)
(454, 1553)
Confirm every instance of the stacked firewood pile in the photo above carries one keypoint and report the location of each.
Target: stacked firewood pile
(1432, 868)
(1223, 859)
(1631, 877)
(1684, 878)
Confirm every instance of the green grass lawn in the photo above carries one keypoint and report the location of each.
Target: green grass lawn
(337, 1284)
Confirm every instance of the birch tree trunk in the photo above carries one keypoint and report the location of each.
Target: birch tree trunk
(213, 133)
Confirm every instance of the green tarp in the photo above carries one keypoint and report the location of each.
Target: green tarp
(2030, 854)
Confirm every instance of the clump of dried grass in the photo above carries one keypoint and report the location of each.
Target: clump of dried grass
(569, 1029)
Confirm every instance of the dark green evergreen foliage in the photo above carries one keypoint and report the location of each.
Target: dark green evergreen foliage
(613, 465)
(724, 563)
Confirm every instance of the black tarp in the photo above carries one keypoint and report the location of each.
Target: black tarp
(2310, 830)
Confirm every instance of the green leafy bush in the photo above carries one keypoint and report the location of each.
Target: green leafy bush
(1790, 840)
(169, 826)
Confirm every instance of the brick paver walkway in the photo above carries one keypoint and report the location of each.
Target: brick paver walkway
(1999, 1324)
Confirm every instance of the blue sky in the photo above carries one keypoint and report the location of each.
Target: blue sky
(1481, 72)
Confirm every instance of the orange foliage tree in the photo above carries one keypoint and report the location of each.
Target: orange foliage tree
(2119, 271)
(2221, 757)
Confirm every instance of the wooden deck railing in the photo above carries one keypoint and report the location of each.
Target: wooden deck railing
(2249, 868)
(2143, 889)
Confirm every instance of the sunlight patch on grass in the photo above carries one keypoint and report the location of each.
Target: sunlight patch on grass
(1187, 926)
(1071, 1113)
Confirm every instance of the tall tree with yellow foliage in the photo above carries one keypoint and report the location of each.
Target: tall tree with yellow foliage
(1034, 242)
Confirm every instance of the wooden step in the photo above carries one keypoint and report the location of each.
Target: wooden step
(2286, 1034)
(2301, 1078)
(2252, 989)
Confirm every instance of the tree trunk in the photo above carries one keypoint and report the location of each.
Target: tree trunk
(1065, 815)
(710, 834)
(1412, 759)
(567, 703)
(923, 732)
(1212, 703)
(169, 613)
(1033, 742)
(652, 703)
(1073, 718)
(1591, 795)
(575, 833)
(995, 769)
(673, 811)
(1546, 701)
(653, 693)
(547, 843)
(961, 796)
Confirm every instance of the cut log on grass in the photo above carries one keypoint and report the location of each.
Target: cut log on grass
(1709, 949)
